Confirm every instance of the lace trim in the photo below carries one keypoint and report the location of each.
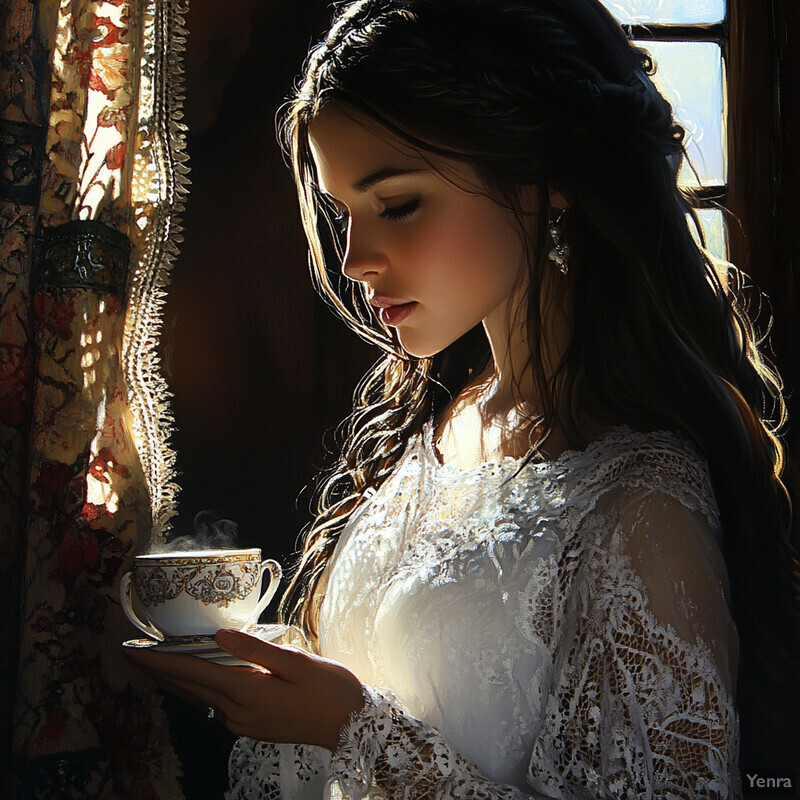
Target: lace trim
(267, 771)
(161, 185)
(662, 460)
(616, 434)
(383, 749)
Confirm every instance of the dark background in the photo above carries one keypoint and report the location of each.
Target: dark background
(261, 369)
(259, 366)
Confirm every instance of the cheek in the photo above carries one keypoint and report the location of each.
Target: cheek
(489, 254)
(464, 245)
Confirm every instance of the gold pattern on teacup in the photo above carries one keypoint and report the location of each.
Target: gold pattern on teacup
(212, 584)
(154, 586)
(184, 561)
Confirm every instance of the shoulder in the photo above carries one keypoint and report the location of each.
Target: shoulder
(625, 464)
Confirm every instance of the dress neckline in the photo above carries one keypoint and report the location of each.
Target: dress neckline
(612, 434)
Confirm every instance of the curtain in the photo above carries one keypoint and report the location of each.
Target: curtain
(93, 176)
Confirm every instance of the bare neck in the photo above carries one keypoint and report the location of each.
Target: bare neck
(498, 412)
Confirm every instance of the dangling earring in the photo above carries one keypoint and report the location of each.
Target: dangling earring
(560, 252)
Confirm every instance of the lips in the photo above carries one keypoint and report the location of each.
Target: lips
(392, 310)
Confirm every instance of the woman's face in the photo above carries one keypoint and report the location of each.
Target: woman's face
(434, 259)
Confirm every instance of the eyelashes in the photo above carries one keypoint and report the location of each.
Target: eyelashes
(393, 214)
(403, 211)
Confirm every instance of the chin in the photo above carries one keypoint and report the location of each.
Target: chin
(419, 349)
(421, 354)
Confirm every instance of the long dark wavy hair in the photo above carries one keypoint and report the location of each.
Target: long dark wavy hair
(540, 93)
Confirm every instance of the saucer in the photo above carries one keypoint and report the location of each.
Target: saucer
(205, 646)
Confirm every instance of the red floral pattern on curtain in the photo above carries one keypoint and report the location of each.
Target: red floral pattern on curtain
(87, 471)
(78, 699)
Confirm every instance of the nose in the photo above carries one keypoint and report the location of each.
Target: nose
(363, 260)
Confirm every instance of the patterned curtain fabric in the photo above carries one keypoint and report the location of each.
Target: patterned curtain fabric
(93, 172)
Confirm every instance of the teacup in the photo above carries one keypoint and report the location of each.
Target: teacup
(193, 594)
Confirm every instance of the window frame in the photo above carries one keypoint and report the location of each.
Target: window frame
(713, 195)
(760, 48)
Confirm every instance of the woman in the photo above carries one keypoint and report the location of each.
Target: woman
(545, 559)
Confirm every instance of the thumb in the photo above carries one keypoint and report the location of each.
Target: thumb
(284, 662)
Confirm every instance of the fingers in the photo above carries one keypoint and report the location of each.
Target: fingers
(296, 697)
(184, 670)
(190, 691)
(196, 669)
(227, 704)
(227, 713)
(199, 694)
(283, 662)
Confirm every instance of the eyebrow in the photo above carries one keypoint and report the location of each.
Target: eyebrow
(368, 181)
(379, 175)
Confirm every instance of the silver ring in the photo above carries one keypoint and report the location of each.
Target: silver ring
(211, 712)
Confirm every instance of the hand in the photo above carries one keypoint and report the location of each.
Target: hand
(296, 698)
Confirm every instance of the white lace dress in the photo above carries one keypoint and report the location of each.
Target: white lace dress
(561, 630)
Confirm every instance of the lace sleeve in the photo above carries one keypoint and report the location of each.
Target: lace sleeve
(642, 702)
(385, 753)
(267, 771)
(644, 706)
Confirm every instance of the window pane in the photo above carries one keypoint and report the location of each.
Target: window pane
(714, 230)
(676, 12)
(689, 75)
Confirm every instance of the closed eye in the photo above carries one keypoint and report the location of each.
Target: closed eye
(403, 211)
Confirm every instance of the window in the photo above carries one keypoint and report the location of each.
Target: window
(687, 40)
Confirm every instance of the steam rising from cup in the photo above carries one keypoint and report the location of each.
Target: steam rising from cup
(208, 533)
